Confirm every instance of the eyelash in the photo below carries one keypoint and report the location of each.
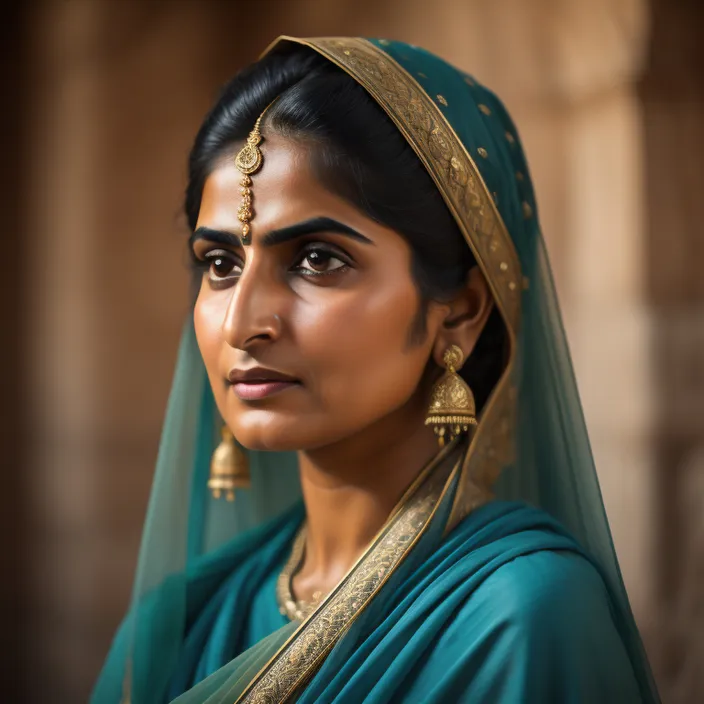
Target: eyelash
(203, 263)
(332, 252)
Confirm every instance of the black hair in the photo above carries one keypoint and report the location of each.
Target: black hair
(360, 155)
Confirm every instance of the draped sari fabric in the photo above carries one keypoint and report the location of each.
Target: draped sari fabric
(463, 595)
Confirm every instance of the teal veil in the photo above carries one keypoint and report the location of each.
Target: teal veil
(531, 444)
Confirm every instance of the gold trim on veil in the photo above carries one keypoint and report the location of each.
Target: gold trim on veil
(427, 130)
(457, 177)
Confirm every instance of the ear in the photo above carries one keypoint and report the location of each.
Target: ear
(467, 314)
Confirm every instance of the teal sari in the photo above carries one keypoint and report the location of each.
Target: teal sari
(493, 580)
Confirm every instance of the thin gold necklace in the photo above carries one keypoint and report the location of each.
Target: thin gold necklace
(295, 610)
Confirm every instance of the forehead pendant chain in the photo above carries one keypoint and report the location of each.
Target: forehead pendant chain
(248, 161)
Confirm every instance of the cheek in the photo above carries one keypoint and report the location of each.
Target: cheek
(360, 344)
(207, 321)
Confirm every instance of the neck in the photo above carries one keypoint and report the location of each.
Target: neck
(350, 488)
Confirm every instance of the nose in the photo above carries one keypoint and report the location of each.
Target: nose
(253, 313)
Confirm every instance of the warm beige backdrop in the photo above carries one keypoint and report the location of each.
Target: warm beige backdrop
(609, 101)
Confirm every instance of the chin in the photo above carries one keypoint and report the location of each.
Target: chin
(273, 432)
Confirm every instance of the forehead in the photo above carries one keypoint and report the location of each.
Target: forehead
(284, 191)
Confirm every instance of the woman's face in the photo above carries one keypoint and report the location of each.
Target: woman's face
(305, 332)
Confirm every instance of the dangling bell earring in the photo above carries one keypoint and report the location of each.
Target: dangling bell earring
(452, 408)
(229, 467)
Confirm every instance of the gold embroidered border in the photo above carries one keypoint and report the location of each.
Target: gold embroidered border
(301, 656)
(427, 130)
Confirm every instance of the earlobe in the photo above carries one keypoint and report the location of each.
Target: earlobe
(468, 313)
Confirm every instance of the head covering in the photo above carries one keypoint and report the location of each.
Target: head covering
(531, 442)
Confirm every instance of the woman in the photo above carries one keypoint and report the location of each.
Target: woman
(372, 280)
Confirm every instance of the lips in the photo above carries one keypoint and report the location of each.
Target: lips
(259, 383)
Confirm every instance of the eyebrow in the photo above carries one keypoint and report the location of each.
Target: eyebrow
(311, 227)
(284, 234)
(219, 236)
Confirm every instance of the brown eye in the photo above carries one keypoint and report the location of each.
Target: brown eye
(320, 261)
(222, 265)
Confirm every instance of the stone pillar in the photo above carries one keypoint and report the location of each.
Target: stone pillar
(672, 95)
(599, 52)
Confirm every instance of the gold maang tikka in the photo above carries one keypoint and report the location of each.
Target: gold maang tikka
(248, 161)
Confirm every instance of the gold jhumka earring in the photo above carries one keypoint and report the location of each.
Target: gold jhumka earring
(452, 407)
(248, 161)
(229, 467)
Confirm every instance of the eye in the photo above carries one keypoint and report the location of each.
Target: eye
(222, 265)
(318, 260)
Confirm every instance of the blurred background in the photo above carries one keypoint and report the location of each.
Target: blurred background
(101, 101)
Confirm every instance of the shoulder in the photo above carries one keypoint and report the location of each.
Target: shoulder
(532, 619)
(539, 628)
(543, 577)
(549, 589)
(521, 562)
(550, 604)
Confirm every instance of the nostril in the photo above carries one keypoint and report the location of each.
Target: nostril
(260, 337)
